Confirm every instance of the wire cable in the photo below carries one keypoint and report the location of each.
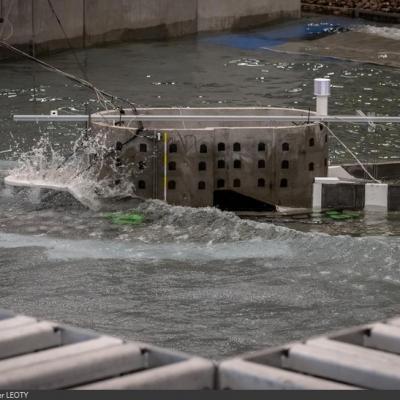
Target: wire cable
(83, 82)
(67, 38)
(351, 153)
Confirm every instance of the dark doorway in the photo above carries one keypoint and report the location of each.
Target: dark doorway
(228, 200)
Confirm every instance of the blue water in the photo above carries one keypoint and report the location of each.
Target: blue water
(306, 29)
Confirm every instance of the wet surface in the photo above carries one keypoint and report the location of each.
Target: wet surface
(197, 280)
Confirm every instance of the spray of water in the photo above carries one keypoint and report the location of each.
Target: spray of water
(89, 172)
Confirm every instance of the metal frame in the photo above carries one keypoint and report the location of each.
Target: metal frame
(228, 118)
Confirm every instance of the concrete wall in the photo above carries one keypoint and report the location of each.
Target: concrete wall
(93, 22)
(227, 14)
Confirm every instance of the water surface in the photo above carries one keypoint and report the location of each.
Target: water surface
(197, 280)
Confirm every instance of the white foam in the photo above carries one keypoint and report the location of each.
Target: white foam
(61, 249)
(383, 31)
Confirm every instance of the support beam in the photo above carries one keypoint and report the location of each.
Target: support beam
(206, 118)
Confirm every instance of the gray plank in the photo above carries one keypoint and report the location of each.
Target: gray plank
(384, 337)
(28, 338)
(58, 353)
(75, 370)
(193, 374)
(15, 322)
(345, 363)
(238, 374)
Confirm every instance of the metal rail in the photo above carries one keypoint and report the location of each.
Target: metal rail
(205, 118)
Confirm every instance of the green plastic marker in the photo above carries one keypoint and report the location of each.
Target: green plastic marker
(125, 218)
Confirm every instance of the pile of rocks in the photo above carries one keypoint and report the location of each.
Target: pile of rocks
(391, 6)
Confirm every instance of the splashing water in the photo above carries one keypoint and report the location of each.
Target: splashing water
(89, 173)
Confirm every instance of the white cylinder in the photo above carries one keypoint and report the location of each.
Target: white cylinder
(322, 105)
(322, 90)
(322, 87)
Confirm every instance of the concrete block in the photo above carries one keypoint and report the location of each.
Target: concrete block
(384, 337)
(239, 374)
(345, 363)
(192, 374)
(15, 322)
(376, 196)
(74, 370)
(58, 353)
(28, 338)
(317, 196)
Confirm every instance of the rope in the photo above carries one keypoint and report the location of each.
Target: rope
(351, 153)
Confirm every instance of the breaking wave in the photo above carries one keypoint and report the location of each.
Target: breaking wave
(206, 225)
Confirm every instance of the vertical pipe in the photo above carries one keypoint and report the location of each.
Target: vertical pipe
(165, 165)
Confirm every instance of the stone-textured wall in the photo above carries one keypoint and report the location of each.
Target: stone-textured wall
(31, 23)
(390, 6)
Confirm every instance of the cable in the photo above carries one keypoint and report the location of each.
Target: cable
(73, 78)
(67, 38)
(351, 153)
(102, 96)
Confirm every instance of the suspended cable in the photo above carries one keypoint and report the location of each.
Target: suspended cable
(102, 96)
(351, 153)
(83, 82)
(67, 38)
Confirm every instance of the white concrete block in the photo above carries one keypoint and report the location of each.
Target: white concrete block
(237, 374)
(317, 196)
(376, 196)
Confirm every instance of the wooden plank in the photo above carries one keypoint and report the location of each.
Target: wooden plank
(75, 370)
(58, 353)
(28, 338)
(384, 337)
(345, 363)
(193, 374)
(15, 322)
(238, 374)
